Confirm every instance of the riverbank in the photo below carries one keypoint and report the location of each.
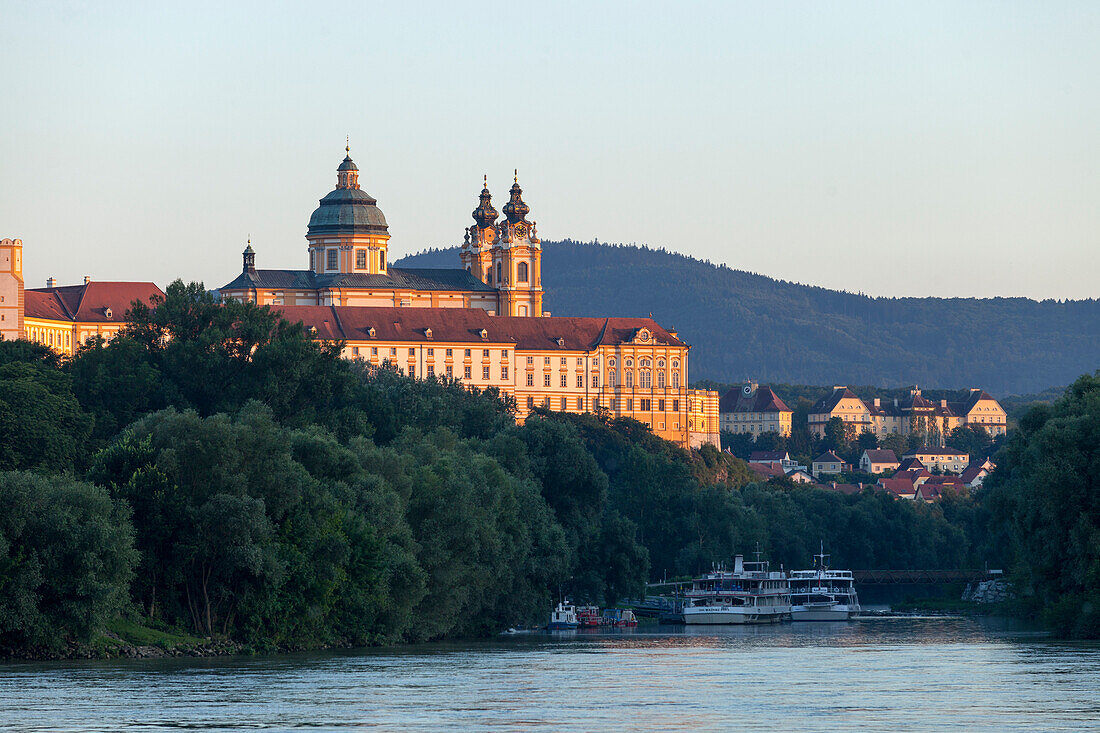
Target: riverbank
(124, 639)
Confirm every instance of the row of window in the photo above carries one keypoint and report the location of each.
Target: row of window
(449, 353)
(521, 274)
(332, 259)
(645, 362)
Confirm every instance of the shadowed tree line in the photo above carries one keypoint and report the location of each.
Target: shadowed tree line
(215, 471)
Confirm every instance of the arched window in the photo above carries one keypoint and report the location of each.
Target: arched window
(382, 260)
(498, 273)
(489, 276)
(629, 378)
(521, 272)
(661, 379)
(611, 378)
(676, 380)
(645, 379)
(645, 362)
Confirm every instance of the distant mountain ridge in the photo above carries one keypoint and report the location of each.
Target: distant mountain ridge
(746, 325)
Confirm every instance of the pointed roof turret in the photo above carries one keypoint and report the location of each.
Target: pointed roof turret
(485, 215)
(515, 209)
(249, 255)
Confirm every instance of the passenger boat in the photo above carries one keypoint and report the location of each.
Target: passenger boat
(618, 617)
(563, 617)
(823, 594)
(588, 617)
(749, 594)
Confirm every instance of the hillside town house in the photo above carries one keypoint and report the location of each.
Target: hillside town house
(754, 409)
(945, 460)
(915, 414)
(828, 463)
(878, 461)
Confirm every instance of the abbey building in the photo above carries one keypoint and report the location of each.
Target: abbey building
(347, 248)
(481, 323)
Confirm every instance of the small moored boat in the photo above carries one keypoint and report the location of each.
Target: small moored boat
(563, 617)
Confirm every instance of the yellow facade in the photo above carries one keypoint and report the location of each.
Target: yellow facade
(916, 415)
(754, 409)
(620, 367)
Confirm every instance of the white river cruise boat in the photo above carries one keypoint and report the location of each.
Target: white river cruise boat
(823, 594)
(749, 594)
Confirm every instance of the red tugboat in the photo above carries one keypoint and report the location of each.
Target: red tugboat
(588, 617)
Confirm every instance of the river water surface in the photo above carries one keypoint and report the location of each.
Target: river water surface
(877, 674)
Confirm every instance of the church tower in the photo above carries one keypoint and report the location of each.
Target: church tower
(11, 289)
(477, 254)
(517, 260)
(348, 233)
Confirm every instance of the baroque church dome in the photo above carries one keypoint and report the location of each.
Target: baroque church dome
(347, 209)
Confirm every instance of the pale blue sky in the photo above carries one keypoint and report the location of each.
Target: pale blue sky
(924, 148)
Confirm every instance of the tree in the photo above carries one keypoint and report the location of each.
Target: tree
(972, 439)
(836, 435)
(1044, 491)
(41, 424)
(66, 559)
(214, 356)
(867, 441)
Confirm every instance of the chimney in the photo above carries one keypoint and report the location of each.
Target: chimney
(51, 282)
(943, 403)
(878, 402)
(895, 402)
(87, 279)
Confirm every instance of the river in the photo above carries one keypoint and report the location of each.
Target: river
(892, 674)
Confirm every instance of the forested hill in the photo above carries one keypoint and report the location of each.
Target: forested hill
(746, 325)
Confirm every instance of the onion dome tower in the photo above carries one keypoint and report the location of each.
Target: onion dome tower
(476, 254)
(517, 260)
(348, 233)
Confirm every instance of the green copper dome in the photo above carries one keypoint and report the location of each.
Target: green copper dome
(347, 209)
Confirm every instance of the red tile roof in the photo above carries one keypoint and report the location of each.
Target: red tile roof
(946, 481)
(766, 470)
(762, 399)
(464, 325)
(766, 456)
(877, 455)
(88, 303)
(843, 488)
(834, 398)
(897, 486)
